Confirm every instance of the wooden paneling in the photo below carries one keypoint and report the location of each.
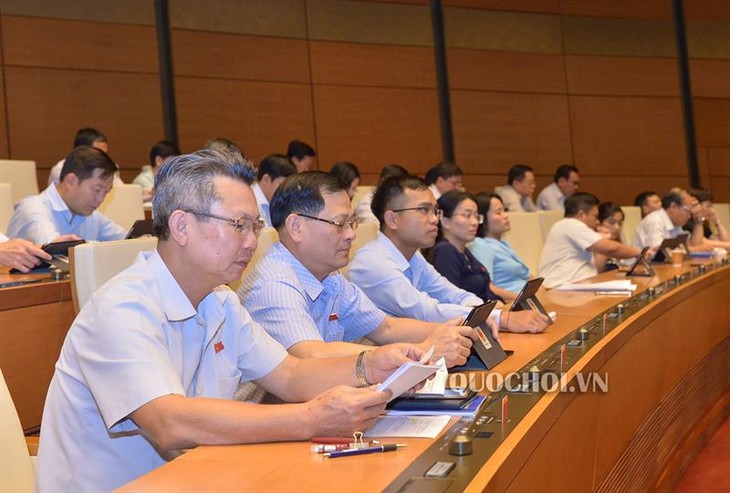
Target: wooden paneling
(493, 131)
(376, 126)
(632, 37)
(712, 121)
(623, 189)
(627, 136)
(37, 42)
(4, 145)
(278, 18)
(631, 76)
(47, 106)
(719, 160)
(537, 6)
(720, 186)
(646, 9)
(229, 56)
(120, 11)
(707, 10)
(710, 78)
(261, 117)
(372, 65)
(708, 39)
(505, 71)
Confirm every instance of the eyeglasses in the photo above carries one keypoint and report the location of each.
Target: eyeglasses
(424, 210)
(243, 225)
(469, 215)
(340, 225)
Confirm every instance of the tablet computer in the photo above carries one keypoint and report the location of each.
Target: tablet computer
(664, 252)
(486, 351)
(641, 266)
(59, 253)
(141, 227)
(527, 299)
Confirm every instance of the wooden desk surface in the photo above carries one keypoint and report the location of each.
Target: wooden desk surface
(34, 319)
(586, 434)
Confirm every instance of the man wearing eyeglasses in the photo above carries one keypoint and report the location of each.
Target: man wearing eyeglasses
(664, 223)
(297, 294)
(151, 363)
(397, 278)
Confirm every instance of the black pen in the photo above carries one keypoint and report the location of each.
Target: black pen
(390, 447)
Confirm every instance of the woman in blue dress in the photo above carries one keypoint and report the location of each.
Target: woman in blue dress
(508, 271)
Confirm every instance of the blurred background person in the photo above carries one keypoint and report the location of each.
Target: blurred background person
(348, 175)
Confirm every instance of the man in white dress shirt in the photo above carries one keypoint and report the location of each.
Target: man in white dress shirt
(273, 170)
(69, 207)
(664, 223)
(517, 194)
(444, 177)
(565, 183)
(568, 254)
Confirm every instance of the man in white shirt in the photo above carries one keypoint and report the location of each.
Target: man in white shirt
(150, 365)
(572, 242)
(69, 207)
(664, 223)
(565, 184)
(89, 137)
(159, 154)
(648, 202)
(273, 170)
(363, 213)
(397, 278)
(444, 177)
(517, 194)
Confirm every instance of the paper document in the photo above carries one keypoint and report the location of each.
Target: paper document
(409, 375)
(621, 285)
(408, 426)
(436, 385)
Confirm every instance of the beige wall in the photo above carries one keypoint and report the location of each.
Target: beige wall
(546, 82)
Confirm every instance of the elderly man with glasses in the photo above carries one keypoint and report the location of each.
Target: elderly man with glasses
(297, 294)
(394, 274)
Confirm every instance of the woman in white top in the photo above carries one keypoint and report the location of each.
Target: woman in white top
(505, 267)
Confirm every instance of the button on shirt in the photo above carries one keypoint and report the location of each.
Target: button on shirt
(551, 198)
(407, 288)
(655, 228)
(139, 338)
(565, 257)
(43, 218)
(292, 305)
(263, 204)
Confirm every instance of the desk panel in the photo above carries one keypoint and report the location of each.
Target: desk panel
(668, 365)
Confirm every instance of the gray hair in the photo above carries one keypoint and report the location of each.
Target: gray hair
(186, 183)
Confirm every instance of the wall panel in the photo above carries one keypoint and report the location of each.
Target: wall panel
(712, 120)
(261, 117)
(630, 76)
(376, 126)
(710, 78)
(627, 136)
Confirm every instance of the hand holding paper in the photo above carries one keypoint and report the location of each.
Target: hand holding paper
(408, 376)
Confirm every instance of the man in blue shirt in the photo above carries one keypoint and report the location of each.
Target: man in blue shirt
(297, 294)
(399, 280)
(69, 207)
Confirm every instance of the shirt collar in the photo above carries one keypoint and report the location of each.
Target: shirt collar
(175, 302)
(401, 261)
(259, 193)
(57, 202)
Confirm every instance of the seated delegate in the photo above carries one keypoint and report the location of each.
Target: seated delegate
(507, 270)
(460, 219)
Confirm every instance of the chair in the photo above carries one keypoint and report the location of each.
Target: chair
(723, 214)
(6, 205)
(632, 218)
(94, 263)
(526, 238)
(16, 469)
(360, 192)
(366, 233)
(268, 237)
(123, 205)
(21, 175)
(547, 219)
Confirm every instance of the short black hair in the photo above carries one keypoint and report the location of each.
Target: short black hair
(228, 149)
(302, 192)
(163, 149)
(389, 190)
(517, 173)
(390, 170)
(608, 209)
(670, 198)
(581, 201)
(83, 160)
(444, 170)
(641, 199)
(276, 166)
(300, 150)
(701, 194)
(345, 172)
(484, 203)
(87, 136)
(564, 171)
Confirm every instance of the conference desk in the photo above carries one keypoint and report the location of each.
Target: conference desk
(34, 319)
(668, 369)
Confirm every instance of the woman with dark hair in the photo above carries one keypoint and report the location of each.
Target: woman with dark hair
(348, 175)
(458, 226)
(508, 271)
(610, 221)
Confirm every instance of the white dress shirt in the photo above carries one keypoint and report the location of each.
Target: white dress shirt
(551, 198)
(655, 228)
(565, 257)
(513, 201)
(263, 204)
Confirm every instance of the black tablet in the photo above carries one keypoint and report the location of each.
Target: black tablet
(641, 266)
(486, 351)
(59, 252)
(527, 299)
(663, 253)
(141, 227)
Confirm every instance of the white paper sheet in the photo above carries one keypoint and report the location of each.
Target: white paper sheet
(408, 426)
(409, 375)
(621, 285)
